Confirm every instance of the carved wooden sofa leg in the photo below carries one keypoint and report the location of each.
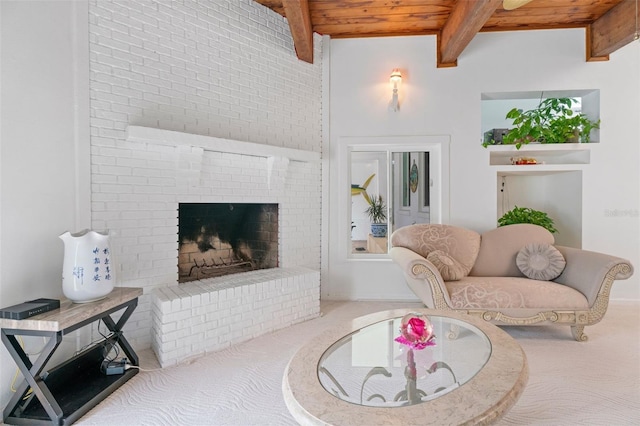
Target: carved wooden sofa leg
(578, 333)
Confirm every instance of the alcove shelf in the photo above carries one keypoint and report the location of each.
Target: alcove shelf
(538, 170)
(549, 156)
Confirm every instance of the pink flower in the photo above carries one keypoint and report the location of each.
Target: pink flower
(416, 331)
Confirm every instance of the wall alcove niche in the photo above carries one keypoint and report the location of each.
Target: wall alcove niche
(554, 184)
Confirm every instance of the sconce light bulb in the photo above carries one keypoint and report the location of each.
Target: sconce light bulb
(396, 76)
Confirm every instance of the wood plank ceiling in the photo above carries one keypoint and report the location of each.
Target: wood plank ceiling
(609, 24)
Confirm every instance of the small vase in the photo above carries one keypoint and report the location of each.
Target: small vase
(87, 271)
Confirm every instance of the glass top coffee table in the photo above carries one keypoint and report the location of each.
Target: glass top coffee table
(359, 374)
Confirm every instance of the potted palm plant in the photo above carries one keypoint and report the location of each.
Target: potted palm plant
(377, 212)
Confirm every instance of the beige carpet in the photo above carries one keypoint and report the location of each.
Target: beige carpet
(570, 383)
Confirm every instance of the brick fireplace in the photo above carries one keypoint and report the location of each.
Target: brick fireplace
(217, 239)
(161, 170)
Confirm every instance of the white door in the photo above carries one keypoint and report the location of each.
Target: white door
(413, 183)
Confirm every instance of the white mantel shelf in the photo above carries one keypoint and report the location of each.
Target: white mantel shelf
(209, 143)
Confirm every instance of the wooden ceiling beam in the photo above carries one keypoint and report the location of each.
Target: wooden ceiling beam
(275, 5)
(466, 19)
(297, 14)
(611, 31)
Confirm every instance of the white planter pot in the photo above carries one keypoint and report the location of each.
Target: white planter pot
(87, 270)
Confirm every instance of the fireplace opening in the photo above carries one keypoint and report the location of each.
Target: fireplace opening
(216, 239)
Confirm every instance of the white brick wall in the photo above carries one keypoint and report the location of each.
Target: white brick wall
(223, 68)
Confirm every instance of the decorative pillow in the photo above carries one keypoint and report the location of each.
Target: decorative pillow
(540, 262)
(449, 268)
(463, 244)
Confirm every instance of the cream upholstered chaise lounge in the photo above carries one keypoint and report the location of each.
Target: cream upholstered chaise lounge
(453, 268)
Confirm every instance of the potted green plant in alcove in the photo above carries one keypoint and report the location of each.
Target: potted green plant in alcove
(552, 121)
(527, 215)
(377, 212)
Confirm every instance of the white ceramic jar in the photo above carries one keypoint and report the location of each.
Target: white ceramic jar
(87, 271)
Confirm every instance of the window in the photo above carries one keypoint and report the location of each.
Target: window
(409, 180)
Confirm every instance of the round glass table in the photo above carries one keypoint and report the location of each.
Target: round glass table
(359, 374)
(368, 367)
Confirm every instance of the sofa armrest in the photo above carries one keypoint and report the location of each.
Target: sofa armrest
(589, 271)
(422, 276)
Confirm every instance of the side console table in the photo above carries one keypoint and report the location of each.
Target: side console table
(64, 393)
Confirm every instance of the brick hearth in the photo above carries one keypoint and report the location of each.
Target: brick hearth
(209, 315)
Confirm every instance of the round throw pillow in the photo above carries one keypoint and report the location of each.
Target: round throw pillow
(449, 268)
(540, 261)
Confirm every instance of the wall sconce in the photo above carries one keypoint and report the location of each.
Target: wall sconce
(395, 79)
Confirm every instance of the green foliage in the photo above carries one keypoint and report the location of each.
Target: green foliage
(377, 210)
(527, 215)
(552, 121)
